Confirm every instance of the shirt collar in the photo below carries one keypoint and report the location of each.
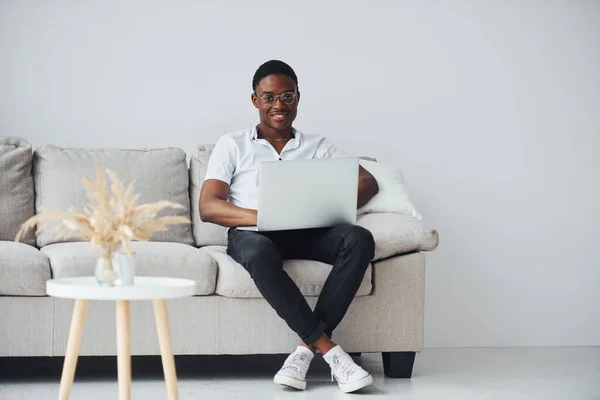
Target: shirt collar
(295, 141)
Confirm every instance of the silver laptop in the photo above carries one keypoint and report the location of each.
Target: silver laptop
(302, 194)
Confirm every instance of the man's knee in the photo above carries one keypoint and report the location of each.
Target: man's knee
(259, 254)
(360, 240)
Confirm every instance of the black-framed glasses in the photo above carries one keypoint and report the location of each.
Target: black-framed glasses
(285, 97)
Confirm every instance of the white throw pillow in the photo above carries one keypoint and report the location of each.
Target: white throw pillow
(392, 196)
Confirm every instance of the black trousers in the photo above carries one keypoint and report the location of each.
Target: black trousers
(349, 248)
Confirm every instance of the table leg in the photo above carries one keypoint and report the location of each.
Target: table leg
(166, 352)
(75, 333)
(123, 350)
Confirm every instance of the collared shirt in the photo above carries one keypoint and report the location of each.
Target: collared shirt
(237, 156)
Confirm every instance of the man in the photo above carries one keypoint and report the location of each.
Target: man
(229, 198)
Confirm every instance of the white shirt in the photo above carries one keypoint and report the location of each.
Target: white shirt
(237, 156)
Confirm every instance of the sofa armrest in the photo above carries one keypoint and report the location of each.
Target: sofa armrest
(397, 234)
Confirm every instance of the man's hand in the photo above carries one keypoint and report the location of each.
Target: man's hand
(367, 186)
(215, 208)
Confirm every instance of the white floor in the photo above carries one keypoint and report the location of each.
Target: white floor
(507, 374)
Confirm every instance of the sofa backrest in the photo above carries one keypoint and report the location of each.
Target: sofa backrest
(158, 174)
(205, 233)
(16, 188)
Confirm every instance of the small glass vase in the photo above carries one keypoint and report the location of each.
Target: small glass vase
(105, 273)
(118, 271)
(124, 265)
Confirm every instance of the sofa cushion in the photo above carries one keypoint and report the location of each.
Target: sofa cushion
(24, 270)
(16, 188)
(396, 234)
(205, 233)
(158, 174)
(151, 258)
(234, 281)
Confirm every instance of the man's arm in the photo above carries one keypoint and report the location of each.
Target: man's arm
(215, 208)
(367, 186)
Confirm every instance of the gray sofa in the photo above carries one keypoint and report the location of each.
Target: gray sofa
(228, 314)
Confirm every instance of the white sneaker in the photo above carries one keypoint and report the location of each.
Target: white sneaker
(293, 372)
(350, 376)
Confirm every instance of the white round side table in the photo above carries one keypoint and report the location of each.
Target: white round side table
(145, 288)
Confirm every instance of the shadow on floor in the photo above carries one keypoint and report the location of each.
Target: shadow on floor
(188, 366)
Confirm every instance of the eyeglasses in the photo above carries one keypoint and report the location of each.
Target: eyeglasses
(270, 99)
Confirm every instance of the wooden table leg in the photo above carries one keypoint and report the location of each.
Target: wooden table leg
(75, 334)
(123, 350)
(166, 352)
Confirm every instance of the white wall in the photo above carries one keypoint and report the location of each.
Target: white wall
(491, 108)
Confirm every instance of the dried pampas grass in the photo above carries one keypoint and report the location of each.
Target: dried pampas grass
(110, 221)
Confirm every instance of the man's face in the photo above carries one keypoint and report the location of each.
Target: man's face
(279, 115)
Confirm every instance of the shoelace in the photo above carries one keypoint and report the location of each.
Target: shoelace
(345, 364)
(298, 363)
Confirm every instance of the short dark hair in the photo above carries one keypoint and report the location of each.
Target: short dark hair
(273, 67)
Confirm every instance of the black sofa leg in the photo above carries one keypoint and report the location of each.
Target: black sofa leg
(398, 364)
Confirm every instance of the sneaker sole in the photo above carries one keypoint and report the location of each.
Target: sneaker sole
(291, 382)
(354, 386)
